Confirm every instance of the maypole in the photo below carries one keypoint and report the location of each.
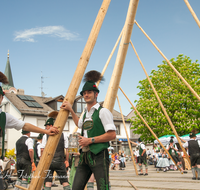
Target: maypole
(121, 55)
(39, 175)
(104, 69)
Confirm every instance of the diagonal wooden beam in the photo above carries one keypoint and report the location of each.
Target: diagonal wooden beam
(149, 128)
(41, 171)
(129, 144)
(161, 105)
(169, 63)
(192, 12)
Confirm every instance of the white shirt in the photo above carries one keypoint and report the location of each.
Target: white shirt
(173, 146)
(105, 116)
(142, 145)
(39, 149)
(44, 141)
(148, 152)
(137, 153)
(185, 145)
(12, 122)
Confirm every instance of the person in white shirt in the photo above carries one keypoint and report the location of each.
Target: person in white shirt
(193, 146)
(7, 121)
(25, 158)
(173, 151)
(97, 130)
(142, 157)
(37, 149)
(59, 161)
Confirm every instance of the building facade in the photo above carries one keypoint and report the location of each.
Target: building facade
(35, 109)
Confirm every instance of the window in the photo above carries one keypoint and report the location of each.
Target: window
(117, 129)
(58, 105)
(80, 105)
(67, 125)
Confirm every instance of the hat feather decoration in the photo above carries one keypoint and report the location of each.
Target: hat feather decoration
(53, 114)
(3, 78)
(90, 78)
(93, 76)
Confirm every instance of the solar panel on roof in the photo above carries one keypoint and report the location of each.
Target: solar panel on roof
(29, 104)
(22, 97)
(37, 105)
(30, 98)
(29, 101)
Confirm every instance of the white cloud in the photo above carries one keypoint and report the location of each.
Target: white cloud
(54, 31)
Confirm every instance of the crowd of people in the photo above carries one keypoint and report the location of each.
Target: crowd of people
(117, 160)
(162, 161)
(95, 157)
(97, 129)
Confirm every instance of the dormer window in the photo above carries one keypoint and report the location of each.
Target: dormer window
(58, 105)
(80, 105)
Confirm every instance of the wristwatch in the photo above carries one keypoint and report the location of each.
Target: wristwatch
(93, 140)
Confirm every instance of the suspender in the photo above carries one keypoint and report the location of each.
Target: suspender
(2, 127)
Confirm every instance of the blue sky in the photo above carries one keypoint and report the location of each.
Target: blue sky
(48, 37)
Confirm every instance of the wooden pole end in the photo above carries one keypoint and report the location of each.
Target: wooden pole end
(20, 187)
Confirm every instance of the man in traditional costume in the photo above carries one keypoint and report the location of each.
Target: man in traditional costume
(58, 163)
(25, 158)
(142, 157)
(37, 149)
(97, 130)
(173, 151)
(7, 121)
(193, 146)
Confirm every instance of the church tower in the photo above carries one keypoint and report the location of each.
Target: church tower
(9, 88)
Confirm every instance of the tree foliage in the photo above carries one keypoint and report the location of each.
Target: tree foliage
(181, 105)
(10, 154)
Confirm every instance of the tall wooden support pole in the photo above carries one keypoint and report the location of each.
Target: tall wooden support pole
(110, 56)
(123, 47)
(174, 69)
(129, 144)
(161, 105)
(40, 173)
(149, 127)
(192, 12)
(104, 69)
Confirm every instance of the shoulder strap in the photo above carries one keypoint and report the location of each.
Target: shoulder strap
(2, 126)
(84, 116)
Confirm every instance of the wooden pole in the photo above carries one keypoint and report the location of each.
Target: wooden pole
(47, 156)
(104, 69)
(110, 56)
(149, 128)
(133, 185)
(192, 12)
(121, 55)
(129, 144)
(163, 109)
(20, 187)
(179, 75)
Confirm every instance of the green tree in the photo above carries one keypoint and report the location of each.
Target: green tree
(181, 105)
